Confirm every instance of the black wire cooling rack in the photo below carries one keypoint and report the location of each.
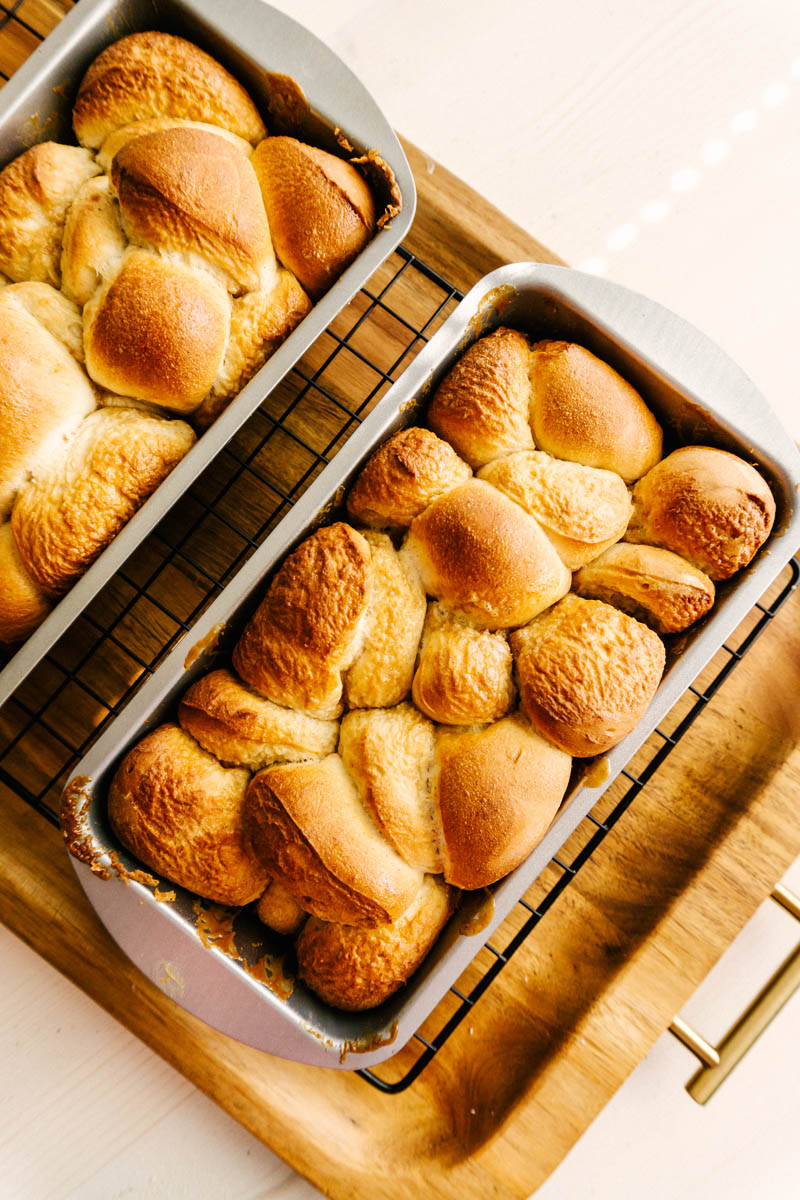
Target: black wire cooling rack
(101, 661)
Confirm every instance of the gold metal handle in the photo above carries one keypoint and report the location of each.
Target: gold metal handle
(719, 1061)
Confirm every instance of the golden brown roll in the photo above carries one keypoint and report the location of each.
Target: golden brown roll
(23, 605)
(260, 321)
(497, 791)
(707, 505)
(389, 754)
(70, 511)
(586, 673)
(126, 133)
(321, 212)
(44, 395)
(584, 411)
(482, 406)
(158, 75)
(279, 909)
(134, 350)
(36, 190)
(653, 585)
(190, 192)
(94, 241)
(402, 477)
(481, 555)
(464, 674)
(54, 312)
(181, 813)
(308, 826)
(306, 630)
(354, 968)
(381, 673)
(244, 730)
(582, 510)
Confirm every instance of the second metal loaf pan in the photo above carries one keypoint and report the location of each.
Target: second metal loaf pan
(699, 395)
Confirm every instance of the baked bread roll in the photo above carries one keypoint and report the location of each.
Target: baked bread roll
(582, 510)
(402, 477)
(190, 192)
(320, 209)
(127, 133)
(23, 604)
(306, 823)
(69, 512)
(586, 673)
(582, 410)
(306, 630)
(485, 558)
(497, 791)
(259, 323)
(482, 406)
(44, 395)
(179, 811)
(464, 674)
(132, 350)
(244, 730)
(389, 754)
(159, 75)
(36, 190)
(54, 312)
(653, 585)
(94, 240)
(355, 968)
(381, 674)
(707, 505)
(279, 909)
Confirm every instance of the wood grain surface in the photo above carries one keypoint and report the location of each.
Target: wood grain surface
(587, 995)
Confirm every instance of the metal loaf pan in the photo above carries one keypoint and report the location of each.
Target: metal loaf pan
(261, 47)
(700, 396)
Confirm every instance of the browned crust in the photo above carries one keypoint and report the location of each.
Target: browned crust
(320, 209)
(303, 633)
(242, 729)
(581, 509)
(650, 583)
(586, 673)
(307, 825)
(402, 477)
(498, 791)
(583, 410)
(133, 350)
(707, 505)
(160, 75)
(480, 554)
(354, 969)
(278, 909)
(45, 396)
(36, 190)
(381, 673)
(180, 812)
(482, 405)
(70, 512)
(188, 189)
(463, 675)
(260, 322)
(389, 755)
(23, 605)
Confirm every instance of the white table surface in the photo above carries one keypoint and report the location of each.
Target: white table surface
(656, 143)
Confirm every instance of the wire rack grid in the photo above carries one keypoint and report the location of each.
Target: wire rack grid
(117, 643)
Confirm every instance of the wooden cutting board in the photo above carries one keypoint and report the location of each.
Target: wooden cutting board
(589, 992)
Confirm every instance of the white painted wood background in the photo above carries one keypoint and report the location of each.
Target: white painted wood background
(655, 142)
